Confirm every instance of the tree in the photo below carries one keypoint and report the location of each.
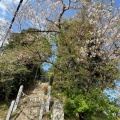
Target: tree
(89, 65)
(80, 72)
(21, 61)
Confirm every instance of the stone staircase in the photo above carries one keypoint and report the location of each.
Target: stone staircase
(29, 108)
(35, 106)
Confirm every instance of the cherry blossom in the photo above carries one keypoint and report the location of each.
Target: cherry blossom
(48, 15)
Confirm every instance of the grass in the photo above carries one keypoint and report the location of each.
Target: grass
(3, 109)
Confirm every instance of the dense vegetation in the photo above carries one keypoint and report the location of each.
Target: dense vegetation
(21, 62)
(82, 78)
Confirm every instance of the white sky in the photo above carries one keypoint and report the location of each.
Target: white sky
(3, 7)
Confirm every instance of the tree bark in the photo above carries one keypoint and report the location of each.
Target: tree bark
(81, 116)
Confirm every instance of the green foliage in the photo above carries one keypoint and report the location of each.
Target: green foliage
(75, 106)
(90, 104)
(80, 76)
(21, 61)
(4, 107)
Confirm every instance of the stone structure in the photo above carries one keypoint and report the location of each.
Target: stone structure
(58, 112)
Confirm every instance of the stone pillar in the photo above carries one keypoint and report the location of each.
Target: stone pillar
(41, 110)
(58, 112)
(18, 98)
(10, 110)
(48, 99)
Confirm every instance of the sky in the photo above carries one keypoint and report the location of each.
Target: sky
(4, 13)
(117, 3)
(3, 9)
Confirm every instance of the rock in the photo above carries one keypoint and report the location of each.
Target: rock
(58, 112)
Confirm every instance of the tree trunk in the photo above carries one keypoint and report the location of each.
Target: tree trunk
(81, 116)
